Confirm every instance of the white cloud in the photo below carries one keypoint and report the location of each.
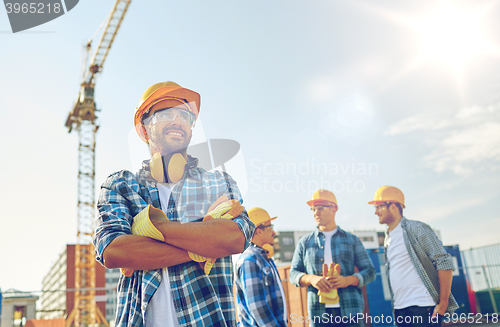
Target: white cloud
(462, 142)
(465, 150)
(426, 122)
(429, 214)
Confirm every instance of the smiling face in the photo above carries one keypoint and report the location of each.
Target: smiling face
(385, 213)
(169, 130)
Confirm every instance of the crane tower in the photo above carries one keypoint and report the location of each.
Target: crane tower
(82, 118)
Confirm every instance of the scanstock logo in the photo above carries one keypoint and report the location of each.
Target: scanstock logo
(25, 14)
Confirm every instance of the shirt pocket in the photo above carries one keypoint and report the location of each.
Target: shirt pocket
(194, 212)
(345, 257)
(267, 276)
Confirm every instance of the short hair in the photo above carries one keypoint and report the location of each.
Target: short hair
(400, 207)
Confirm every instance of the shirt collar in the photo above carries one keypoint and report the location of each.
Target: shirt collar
(317, 232)
(257, 249)
(403, 222)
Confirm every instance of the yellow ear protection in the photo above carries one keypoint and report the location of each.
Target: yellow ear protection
(269, 249)
(167, 168)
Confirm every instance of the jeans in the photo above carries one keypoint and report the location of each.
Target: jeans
(328, 320)
(417, 316)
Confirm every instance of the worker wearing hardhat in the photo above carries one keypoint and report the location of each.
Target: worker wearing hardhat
(260, 295)
(165, 115)
(419, 270)
(324, 261)
(161, 226)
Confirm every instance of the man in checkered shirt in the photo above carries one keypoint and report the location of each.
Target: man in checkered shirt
(261, 299)
(161, 285)
(420, 271)
(330, 244)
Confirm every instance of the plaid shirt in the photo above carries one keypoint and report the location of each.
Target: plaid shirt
(199, 300)
(427, 255)
(260, 302)
(347, 251)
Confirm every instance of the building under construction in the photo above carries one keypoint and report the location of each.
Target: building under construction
(58, 297)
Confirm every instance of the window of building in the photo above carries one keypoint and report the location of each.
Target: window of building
(19, 316)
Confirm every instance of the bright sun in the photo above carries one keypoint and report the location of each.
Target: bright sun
(453, 34)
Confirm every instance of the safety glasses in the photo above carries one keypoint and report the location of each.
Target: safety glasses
(168, 115)
(381, 206)
(320, 208)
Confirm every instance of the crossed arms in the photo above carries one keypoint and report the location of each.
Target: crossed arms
(116, 247)
(215, 239)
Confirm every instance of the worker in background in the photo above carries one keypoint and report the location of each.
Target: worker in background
(261, 299)
(334, 296)
(419, 270)
(158, 224)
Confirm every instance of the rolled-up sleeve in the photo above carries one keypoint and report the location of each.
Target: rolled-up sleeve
(366, 272)
(114, 216)
(434, 249)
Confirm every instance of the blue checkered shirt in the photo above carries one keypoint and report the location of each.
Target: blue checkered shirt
(199, 300)
(260, 301)
(427, 255)
(347, 251)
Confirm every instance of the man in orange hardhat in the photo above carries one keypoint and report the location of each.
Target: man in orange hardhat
(419, 270)
(159, 225)
(261, 299)
(326, 245)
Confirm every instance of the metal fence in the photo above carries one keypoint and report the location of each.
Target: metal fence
(482, 267)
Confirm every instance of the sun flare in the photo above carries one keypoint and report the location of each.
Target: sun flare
(453, 35)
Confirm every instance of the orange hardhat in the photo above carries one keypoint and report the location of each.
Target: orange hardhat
(259, 216)
(322, 197)
(387, 194)
(170, 94)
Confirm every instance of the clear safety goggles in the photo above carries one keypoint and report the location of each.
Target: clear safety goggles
(265, 226)
(382, 206)
(168, 115)
(320, 208)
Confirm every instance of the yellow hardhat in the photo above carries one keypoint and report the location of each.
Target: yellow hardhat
(388, 194)
(322, 197)
(164, 91)
(259, 216)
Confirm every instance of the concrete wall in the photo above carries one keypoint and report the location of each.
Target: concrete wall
(10, 302)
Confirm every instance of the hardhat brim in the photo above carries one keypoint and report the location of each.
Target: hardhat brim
(261, 222)
(373, 202)
(320, 202)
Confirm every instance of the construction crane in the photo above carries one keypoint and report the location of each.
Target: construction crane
(82, 118)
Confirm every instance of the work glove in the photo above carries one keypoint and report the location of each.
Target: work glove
(331, 297)
(221, 208)
(143, 226)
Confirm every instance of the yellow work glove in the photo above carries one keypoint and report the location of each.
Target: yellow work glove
(222, 208)
(143, 226)
(331, 297)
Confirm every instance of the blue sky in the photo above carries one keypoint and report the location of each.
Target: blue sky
(346, 95)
